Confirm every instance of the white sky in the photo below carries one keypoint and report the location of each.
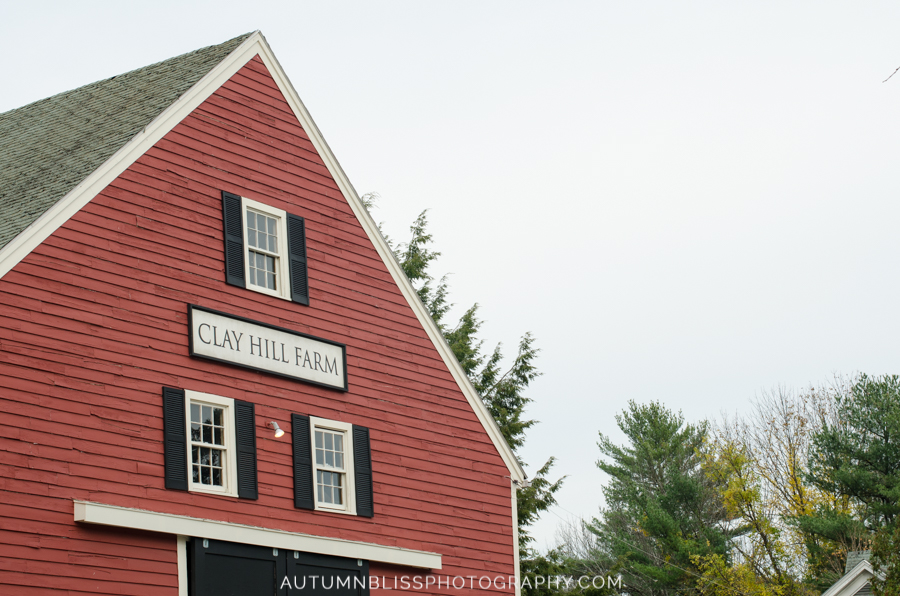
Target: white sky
(690, 202)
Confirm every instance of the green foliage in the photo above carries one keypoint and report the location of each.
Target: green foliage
(663, 513)
(567, 576)
(858, 457)
(886, 562)
(502, 391)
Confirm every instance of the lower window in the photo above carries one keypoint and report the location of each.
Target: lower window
(332, 463)
(212, 458)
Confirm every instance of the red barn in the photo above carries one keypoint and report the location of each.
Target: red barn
(216, 379)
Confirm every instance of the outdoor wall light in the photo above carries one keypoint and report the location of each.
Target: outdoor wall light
(278, 431)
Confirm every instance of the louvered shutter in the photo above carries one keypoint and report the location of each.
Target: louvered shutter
(245, 432)
(303, 469)
(233, 222)
(362, 462)
(174, 439)
(296, 231)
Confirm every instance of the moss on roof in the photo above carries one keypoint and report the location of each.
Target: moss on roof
(48, 147)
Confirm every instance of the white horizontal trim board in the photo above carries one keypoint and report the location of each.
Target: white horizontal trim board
(255, 45)
(169, 523)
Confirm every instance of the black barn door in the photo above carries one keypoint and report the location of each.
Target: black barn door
(229, 569)
(321, 575)
(219, 568)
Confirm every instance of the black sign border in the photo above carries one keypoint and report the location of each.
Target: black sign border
(343, 347)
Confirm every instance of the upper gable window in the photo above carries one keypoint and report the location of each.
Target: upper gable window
(265, 262)
(265, 249)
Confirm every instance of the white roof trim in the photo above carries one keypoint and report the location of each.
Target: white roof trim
(169, 523)
(27, 240)
(852, 581)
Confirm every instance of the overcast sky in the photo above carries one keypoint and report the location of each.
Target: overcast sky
(688, 202)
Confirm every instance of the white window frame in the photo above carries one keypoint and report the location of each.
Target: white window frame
(349, 506)
(230, 467)
(282, 261)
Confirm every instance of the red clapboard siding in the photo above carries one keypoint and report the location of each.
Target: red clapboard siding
(93, 323)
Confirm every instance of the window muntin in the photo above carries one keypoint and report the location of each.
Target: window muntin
(265, 248)
(212, 454)
(333, 465)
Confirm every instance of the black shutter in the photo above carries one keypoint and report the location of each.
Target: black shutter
(174, 439)
(296, 231)
(233, 222)
(303, 470)
(245, 431)
(362, 462)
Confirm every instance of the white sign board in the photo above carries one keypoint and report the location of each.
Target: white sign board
(240, 341)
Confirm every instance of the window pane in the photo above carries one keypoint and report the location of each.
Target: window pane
(338, 496)
(329, 459)
(204, 456)
(217, 477)
(217, 416)
(252, 273)
(328, 498)
(216, 458)
(207, 434)
(271, 222)
(339, 460)
(207, 415)
(251, 219)
(195, 455)
(270, 281)
(320, 459)
(338, 442)
(196, 473)
(318, 439)
(195, 431)
(251, 238)
(217, 435)
(204, 475)
(321, 494)
(329, 441)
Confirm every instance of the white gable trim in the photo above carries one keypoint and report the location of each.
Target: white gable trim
(852, 581)
(183, 525)
(27, 240)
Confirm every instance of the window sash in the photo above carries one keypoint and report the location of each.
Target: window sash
(281, 273)
(345, 474)
(228, 459)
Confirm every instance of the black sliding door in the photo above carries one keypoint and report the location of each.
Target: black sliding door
(320, 575)
(229, 569)
(219, 568)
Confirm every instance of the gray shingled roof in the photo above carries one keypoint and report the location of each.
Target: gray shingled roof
(854, 557)
(48, 147)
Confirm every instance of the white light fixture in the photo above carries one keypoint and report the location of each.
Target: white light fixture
(278, 431)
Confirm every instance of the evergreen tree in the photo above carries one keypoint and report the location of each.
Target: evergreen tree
(501, 390)
(858, 457)
(663, 512)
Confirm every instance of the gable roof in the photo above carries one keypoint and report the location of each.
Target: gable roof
(52, 203)
(51, 145)
(857, 580)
